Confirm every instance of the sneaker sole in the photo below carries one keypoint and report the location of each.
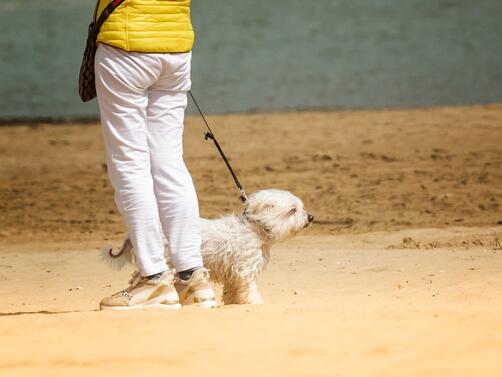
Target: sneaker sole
(165, 302)
(143, 306)
(198, 299)
(209, 304)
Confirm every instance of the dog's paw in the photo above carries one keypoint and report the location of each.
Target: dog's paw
(255, 300)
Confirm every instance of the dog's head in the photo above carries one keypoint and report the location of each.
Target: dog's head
(278, 213)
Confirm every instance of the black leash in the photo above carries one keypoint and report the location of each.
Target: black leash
(210, 135)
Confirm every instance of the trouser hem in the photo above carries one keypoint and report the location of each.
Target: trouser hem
(156, 269)
(188, 266)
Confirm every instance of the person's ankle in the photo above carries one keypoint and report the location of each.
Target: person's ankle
(155, 276)
(187, 274)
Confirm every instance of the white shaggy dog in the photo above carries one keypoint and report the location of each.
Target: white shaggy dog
(236, 248)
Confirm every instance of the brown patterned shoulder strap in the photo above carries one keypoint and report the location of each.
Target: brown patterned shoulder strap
(96, 25)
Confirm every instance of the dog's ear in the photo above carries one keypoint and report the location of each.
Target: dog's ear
(266, 207)
(256, 208)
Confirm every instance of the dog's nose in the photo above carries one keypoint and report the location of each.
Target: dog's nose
(310, 218)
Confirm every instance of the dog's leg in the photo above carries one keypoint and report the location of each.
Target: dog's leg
(229, 294)
(248, 294)
(254, 296)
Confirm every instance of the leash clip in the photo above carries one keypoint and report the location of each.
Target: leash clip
(243, 197)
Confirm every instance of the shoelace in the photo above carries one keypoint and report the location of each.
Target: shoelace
(133, 282)
(135, 279)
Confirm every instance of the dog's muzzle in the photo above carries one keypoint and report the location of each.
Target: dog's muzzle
(310, 219)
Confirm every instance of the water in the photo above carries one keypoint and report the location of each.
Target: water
(264, 55)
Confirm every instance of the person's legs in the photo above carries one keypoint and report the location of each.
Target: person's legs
(173, 186)
(122, 82)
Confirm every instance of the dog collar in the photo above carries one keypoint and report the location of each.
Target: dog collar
(262, 229)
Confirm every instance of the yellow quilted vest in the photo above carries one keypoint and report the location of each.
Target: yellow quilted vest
(148, 26)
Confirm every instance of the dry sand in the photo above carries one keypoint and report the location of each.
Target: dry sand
(401, 276)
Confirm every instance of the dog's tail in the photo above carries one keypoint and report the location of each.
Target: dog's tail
(117, 260)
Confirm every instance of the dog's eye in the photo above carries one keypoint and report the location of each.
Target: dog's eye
(292, 211)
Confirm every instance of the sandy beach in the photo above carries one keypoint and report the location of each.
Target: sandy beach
(335, 306)
(399, 276)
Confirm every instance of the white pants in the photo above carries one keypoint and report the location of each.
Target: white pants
(142, 99)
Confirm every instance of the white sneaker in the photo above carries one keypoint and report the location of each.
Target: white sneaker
(196, 290)
(145, 293)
